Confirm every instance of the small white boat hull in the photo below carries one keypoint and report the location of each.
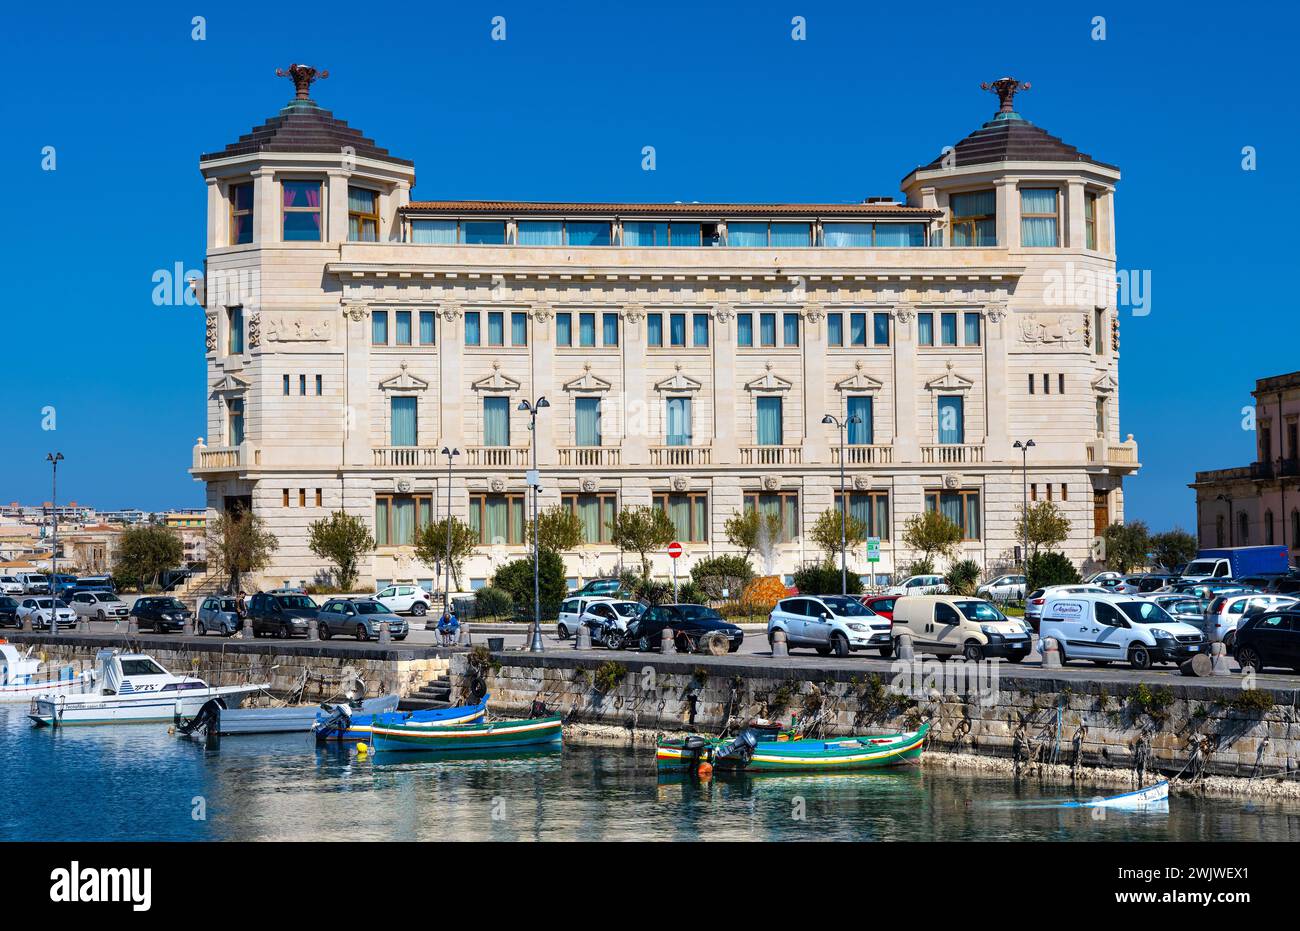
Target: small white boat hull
(69, 710)
(1152, 798)
(26, 691)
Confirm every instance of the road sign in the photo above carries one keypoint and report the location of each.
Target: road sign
(873, 549)
(674, 549)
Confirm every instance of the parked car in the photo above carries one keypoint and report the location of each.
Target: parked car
(360, 618)
(1144, 583)
(1270, 639)
(830, 624)
(881, 604)
(34, 583)
(1038, 597)
(99, 605)
(688, 622)
(161, 613)
(283, 615)
(1285, 585)
(1113, 628)
(219, 614)
(608, 620)
(1183, 608)
(611, 588)
(61, 584)
(40, 609)
(571, 611)
(918, 585)
(96, 583)
(9, 612)
(10, 585)
(954, 625)
(404, 599)
(1003, 588)
(1225, 613)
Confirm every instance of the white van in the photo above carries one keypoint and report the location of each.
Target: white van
(955, 625)
(1117, 628)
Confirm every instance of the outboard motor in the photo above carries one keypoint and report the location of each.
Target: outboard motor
(740, 750)
(338, 722)
(208, 719)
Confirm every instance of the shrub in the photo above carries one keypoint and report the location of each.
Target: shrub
(923, 566)
(824, 579)
(515, 578)
(1050, 569)
(716, 573)
(494, 602)
(963, 577)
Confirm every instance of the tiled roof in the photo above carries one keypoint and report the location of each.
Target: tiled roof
(303, 126)
(1012, 140)
(666, 210)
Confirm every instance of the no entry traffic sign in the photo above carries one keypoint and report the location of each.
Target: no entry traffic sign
(674, 549)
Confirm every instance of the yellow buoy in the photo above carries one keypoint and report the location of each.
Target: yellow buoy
(362, 751)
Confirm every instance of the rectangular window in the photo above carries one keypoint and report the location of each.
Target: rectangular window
(747, 235)
(783, 505)
(398, 517)
(320, 384)
(319, 498)
(595, 513)
(587, 234)
(1060, 383)
(790, 235)
(861, 433)
(790, 325)
(835, 329)
(1047, 385)
(379, 328)
(899, 235)
(403, 429)
(952, 425)
(564, 329)
(881, 322)
(241, 213)
(1099, 332)
(1031, 382)
(433, 232)
(403, 329)
(496, 328)
(770, 430)
(483, 232)
(925, 329)
(1038, 209)
(496, 421)
(847, 235)
(302, 497)
(286, 386)
(858, 329)
(1101, 417)
(767, 329)
(974, 218)
(960, 507)
(684, 234)
(1033, 491)
(870, 507)
(609, 323)
(654, 329)
(972, 334)
(644, 234)
(745, 329)
(586, 428)
(235, 421)
(677, 426)
(1089, 220)
(700, 325)
(497, 519)
(427, 328)
(363, 215)
(473, 326)
(677, 330)
(948, 329)
(540, 233)
(235, 327)
(519, 328)
(689, 514)
(302, 385)
(284, 499)
(301, 211)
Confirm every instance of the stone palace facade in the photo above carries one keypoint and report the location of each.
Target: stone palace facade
(689, 352)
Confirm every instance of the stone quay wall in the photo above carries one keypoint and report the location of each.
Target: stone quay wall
(1189, 727)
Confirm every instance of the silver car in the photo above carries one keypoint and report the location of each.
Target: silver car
(219, 615)
(99, 606)
(1003, 588)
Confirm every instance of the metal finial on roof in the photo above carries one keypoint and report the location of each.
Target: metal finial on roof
(1006, 89)
(302, 76)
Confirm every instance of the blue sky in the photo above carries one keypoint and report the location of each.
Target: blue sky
(736, 110)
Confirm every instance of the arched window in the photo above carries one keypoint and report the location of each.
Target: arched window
(1268, 528)
(1243, 528)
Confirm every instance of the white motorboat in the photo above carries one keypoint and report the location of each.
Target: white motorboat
(133, 688)
(21, 678)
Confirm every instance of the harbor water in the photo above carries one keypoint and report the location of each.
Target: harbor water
(137, 782)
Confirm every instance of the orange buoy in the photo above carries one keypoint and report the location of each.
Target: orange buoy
(705, 770)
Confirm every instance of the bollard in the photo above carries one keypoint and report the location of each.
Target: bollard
(1051, 653)
(313, 629)
(245, 634)
(1219, 659)
(903, 648)
(27, 624)
(132, 625)
(779, 647)
(1199, 665)
(582, 640)
(385, 633)
(666, 643)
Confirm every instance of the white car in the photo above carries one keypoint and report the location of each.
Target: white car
(101, 606)
(10, 585)
(572, 611)
(1003, 587)
(610, 617)
(1038, 597)
(405, 599)
(41, 608)
(1227, 611)
(918, 585)
(1109, 628)
(830, 624)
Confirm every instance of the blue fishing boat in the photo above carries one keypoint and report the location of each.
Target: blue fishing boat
(340, 723)
(493, 735)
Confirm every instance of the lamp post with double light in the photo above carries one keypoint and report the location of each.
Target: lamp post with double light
(54, 459)
(451, 453)
(843, 424)
(534, 483)
(1024, 448)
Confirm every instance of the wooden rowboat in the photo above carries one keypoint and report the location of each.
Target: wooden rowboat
(1153, 797)
(791, 756)
(390, 736)
(349, 727)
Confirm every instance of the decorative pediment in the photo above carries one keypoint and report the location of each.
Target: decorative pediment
(678, 383)
(950, 381)
(497, 381)
(769, 381)
(229, 384)
(859, 381)
(587, 382)
(1105, 383)
(403, 381)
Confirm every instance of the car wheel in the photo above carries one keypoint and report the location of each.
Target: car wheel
(1060, 651)
(614, 640)
(203, 629)
(683, 644)
(824, 651)
(886, 652)
(362, 633)
(1249, 656)
(1139, 657)
(973, 651)
(561, 631)
(285, 633)
(643, 644)
(419, 609)
(840, 644)
(1101, 662)
(1015, 657)
(100, 616)
(324, 631)
(400, 637)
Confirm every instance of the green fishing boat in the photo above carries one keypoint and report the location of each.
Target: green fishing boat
(754, 754)
(392, 735)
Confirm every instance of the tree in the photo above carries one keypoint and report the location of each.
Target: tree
(963, 577)
(825, 533)
(745, 530)
(641, 530)
(1174, 548)
(1127, 545)
(932, 534)
(558, 529)
(239, 543)
(146, 552)
(1047, 527)
(516, 579)
(430, 542)
(1049, 569)
(342, 539)
(717, 574)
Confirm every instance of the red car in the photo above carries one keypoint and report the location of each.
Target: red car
(881, 604)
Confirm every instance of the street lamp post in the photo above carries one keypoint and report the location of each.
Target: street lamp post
(1226, 499)
(54, 459)
(832, 420)
(1024, 448)
(450, 453)
(534, 482)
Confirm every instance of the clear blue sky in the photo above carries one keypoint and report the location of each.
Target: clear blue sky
(561, 110)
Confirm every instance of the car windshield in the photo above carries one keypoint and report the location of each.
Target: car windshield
(696, 613)
(297, 601)
(108, 597)
(980, 611)
(1145, 612)
(171, 603)
(1183, 606)
(371, 607)
(629, 609)
(847, 607)
(1200, 567)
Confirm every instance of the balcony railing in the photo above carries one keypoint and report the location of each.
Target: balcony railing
(1104, 452)
(497, 456)
(952, 453)
(589, 455)
(215, 458)
(405, 456)
(681, 455)
(863, 455)
(771, 455)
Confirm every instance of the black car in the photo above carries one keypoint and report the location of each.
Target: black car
(282, 614)
(689, 623)
(1269, 639)
(9, 612)
(161, 614)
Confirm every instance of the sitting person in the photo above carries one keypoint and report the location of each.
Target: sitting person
(448, 627)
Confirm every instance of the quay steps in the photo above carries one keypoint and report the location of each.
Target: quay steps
(432, 695)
